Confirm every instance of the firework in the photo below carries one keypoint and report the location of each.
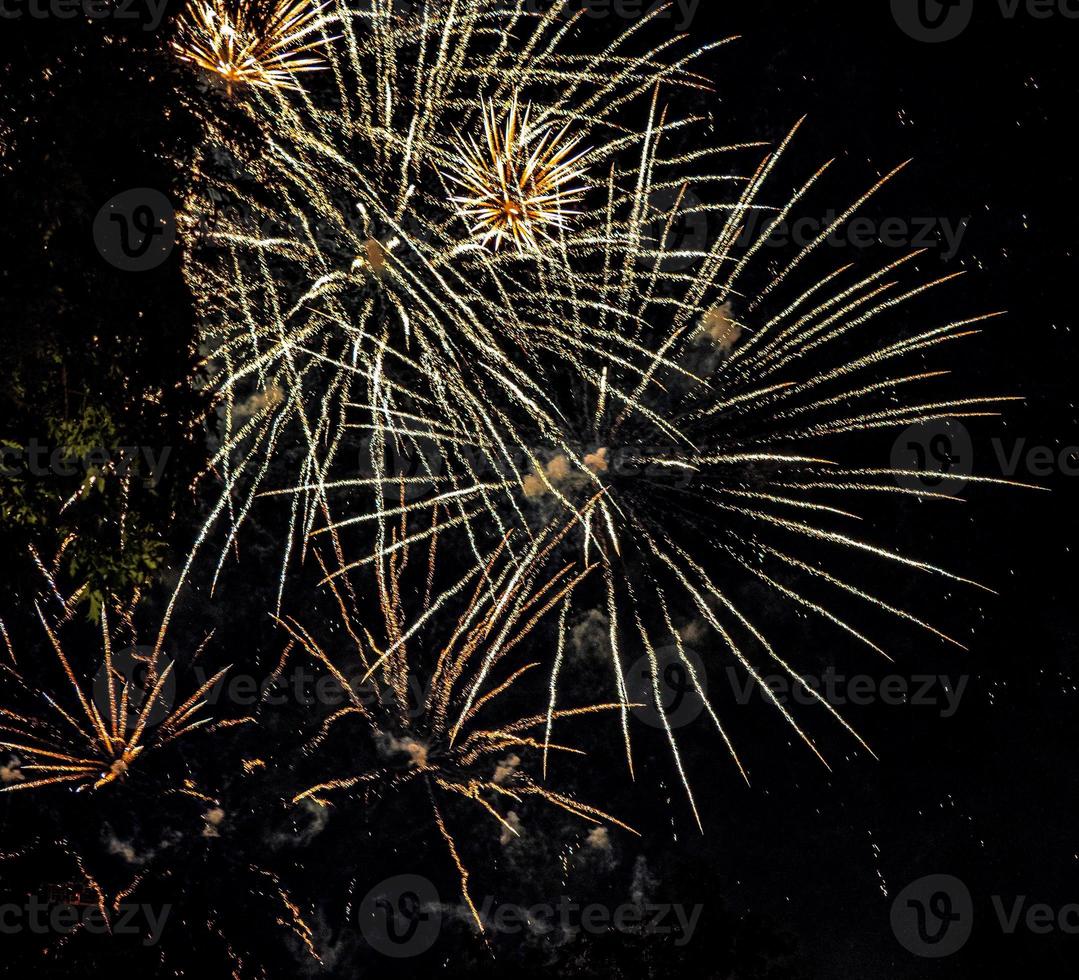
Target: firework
(262, 43)
(105, 730)
(350, 314)
(451, 737)
(515, 186)
(711, 460)
(523, 383)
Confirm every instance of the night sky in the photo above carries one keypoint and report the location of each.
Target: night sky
(798, 873)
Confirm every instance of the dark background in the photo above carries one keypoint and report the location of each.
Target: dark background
(801, 869)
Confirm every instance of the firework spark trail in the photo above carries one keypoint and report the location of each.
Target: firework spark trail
(514, 188)
(444, 739)
(352, 294)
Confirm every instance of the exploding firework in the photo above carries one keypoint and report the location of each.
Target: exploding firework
(107, 728)
(515, 185)
(350, 314)
(436, 722)
(147, 828)
(710, 464)
(262, 43)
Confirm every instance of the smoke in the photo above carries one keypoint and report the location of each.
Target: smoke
(590, 636)
(513, 831)
(213, 819)
(390, 746)
(11, 773)
(259, 402)
(563, 475)
(599, 839)
(319, 817)
(643, 882)
(506, 768)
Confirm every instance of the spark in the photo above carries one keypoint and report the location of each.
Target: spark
(342, 275)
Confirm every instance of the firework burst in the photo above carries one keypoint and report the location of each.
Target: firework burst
(707, 464)
(451, 738)
(106, 729)
(520, 185)
(261, 43)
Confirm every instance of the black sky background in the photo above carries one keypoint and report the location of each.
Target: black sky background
(814, 859)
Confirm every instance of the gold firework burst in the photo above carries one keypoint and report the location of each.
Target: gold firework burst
(265, 43)
(452, 738)
(521, 180)
(96, 740)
